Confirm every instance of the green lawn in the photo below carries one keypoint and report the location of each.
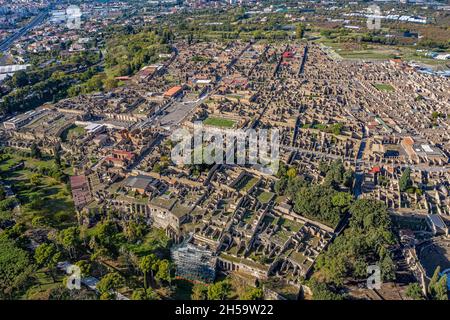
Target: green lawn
(384, 87)
(57, 207)
(154, 241)
(246, 183)
(219, 122)
(265, 197)
(73, 133)
(291, 225)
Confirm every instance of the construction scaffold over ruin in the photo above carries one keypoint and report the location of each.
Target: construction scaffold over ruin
(193, 262)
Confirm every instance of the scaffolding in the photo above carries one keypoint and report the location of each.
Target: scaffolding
(194, 263)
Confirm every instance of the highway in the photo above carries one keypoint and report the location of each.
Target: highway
(7, 43)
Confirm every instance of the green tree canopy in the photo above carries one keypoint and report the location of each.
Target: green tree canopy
(219, 290)
(321, 291)
(199, 292)
(110, 282)
(253, 294)
(144, 294)
(366, 241)
(414, 291)
(147, 265)
(405, 180)
(15, 268)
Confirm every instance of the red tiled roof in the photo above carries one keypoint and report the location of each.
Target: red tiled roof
(375, 170)
(172, 91)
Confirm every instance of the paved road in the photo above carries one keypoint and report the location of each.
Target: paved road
(7, 43)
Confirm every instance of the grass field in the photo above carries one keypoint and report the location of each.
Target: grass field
(219, 122)
(154, 241)
(57, 206)
(72, 133)
(354, 51)
(265, 197)
(384, 87)
(348, 50)
(246, 183)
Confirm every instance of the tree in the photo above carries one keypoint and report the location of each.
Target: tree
(321, 291)
(133, 230)
(441, 288)
(35, 151)
(219, 290)
(405, 180)
(280, 186)
(291, 173)
(36, 201)
(107, 296)
(20, 79)
(414, 291)
(282, 170)
(144, 294)
(47, 255)
(433, 282)
(366, 241)
(2, 193)
(8, 204)
(190, 38)
(316, 202)
(15, 268)
(110, 83)
(437, 287)
(336, 128)
(253, 294)
(294, 185)
(199, 292)
(69, 239)
(387, 265)
(348, 178)
(85, 267)
(163, 273)
(299, 31)
(342, 199)
(104, 235)
(110, 282)
(147, 265)
(323, 167)
(335, 174)
(157, 168)
(57, 159)
(35, 179)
